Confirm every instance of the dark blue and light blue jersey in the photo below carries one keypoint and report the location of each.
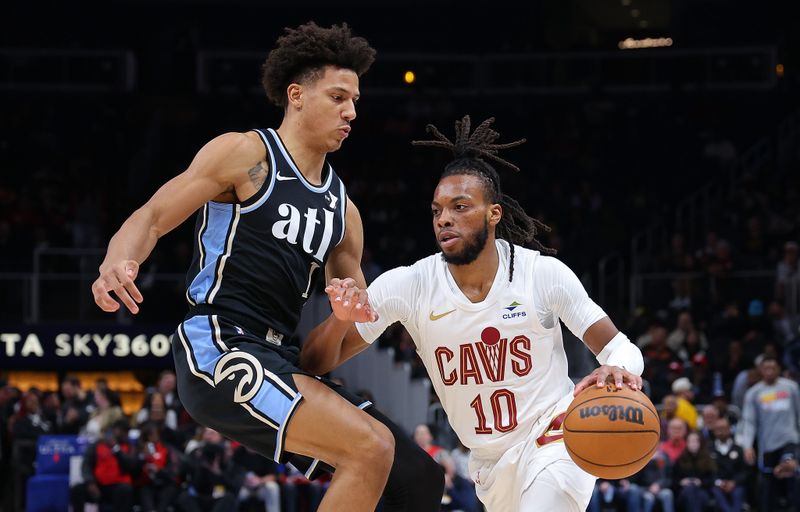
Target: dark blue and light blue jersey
(258, 261)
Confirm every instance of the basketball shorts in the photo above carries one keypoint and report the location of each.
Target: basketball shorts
(241, 386)
(534, 475)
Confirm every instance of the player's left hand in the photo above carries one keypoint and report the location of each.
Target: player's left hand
(349, 302)
(599, 376)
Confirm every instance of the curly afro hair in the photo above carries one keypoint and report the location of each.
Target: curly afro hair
(303, 52)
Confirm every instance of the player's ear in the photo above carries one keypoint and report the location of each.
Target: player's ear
(495, 214)
(295, 95)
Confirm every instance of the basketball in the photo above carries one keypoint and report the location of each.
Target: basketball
(611, 433)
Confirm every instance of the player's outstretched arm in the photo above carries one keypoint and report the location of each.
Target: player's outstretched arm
(217, 169)
(336, 340)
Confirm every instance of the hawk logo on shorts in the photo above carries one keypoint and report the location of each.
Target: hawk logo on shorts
(236, 361)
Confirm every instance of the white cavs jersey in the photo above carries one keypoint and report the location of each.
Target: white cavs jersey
(499, 365)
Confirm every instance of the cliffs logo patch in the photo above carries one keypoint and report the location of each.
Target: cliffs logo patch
(513, 312)
(628, 414)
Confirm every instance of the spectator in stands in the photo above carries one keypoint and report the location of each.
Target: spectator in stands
(657, 356)
(202, 436)
(701, 379)
(51, 410)
(771, 417)
(681, 294)
(29, 423)
(710, 417)
(655, 482)
(260, 481)
(729, 485)
(167, 387)
(679, 339)
(693, 474)
(676, 439)
(101, 384)
(787, 279)
(103, 416)
(424, 439)
(108, 467)
(156, 482)
(76, 399)
(786, 332)
(668, 407)
(154, 410)
(459, 493)
(726, 325)
(460, 456)
(734, 363)
(212, 478)
(617, 493)
(725, 410)
(682, 389)
(744, 381)
(26, 426)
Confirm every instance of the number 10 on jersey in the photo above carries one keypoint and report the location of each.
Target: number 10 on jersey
(503, 409)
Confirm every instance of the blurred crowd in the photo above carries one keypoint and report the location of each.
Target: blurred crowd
(157, 459)
(717, 320)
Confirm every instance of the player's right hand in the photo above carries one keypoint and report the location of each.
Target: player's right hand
(349, 302)
(119, 279)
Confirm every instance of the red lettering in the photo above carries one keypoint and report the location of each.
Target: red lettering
(469, 365)
(497, 412)
(523, 367)
(478, 406)
(488, 363)
(511, 403)
(452, 378)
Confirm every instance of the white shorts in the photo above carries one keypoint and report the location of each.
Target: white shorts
(532, 478)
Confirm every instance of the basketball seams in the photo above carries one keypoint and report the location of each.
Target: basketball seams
(587, 461)
(584, 437)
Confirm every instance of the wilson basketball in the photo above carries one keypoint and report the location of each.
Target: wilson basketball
(611, 433)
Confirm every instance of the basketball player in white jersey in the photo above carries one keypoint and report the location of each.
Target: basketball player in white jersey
(484, 314)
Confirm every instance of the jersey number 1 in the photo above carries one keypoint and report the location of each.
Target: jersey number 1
(314, 266)
(501, 395)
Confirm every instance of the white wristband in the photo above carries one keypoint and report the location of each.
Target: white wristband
(619, 351)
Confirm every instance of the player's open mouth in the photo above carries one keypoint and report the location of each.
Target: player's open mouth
(447, 239)
(344, 132)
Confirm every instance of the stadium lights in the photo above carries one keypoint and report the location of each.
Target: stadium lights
(634, 44)
(409, 77)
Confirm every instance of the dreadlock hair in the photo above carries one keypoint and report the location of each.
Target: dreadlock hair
(471, 153)
(302, 53)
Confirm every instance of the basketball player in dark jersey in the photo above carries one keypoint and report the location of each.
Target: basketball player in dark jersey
(273, 217)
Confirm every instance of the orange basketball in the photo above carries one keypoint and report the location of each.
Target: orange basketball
(611, 433)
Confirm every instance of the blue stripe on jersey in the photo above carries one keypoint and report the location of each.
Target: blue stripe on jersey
(202, 348)
(272, 402)
(212, 245)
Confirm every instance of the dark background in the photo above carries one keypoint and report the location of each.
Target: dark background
(100, 103)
